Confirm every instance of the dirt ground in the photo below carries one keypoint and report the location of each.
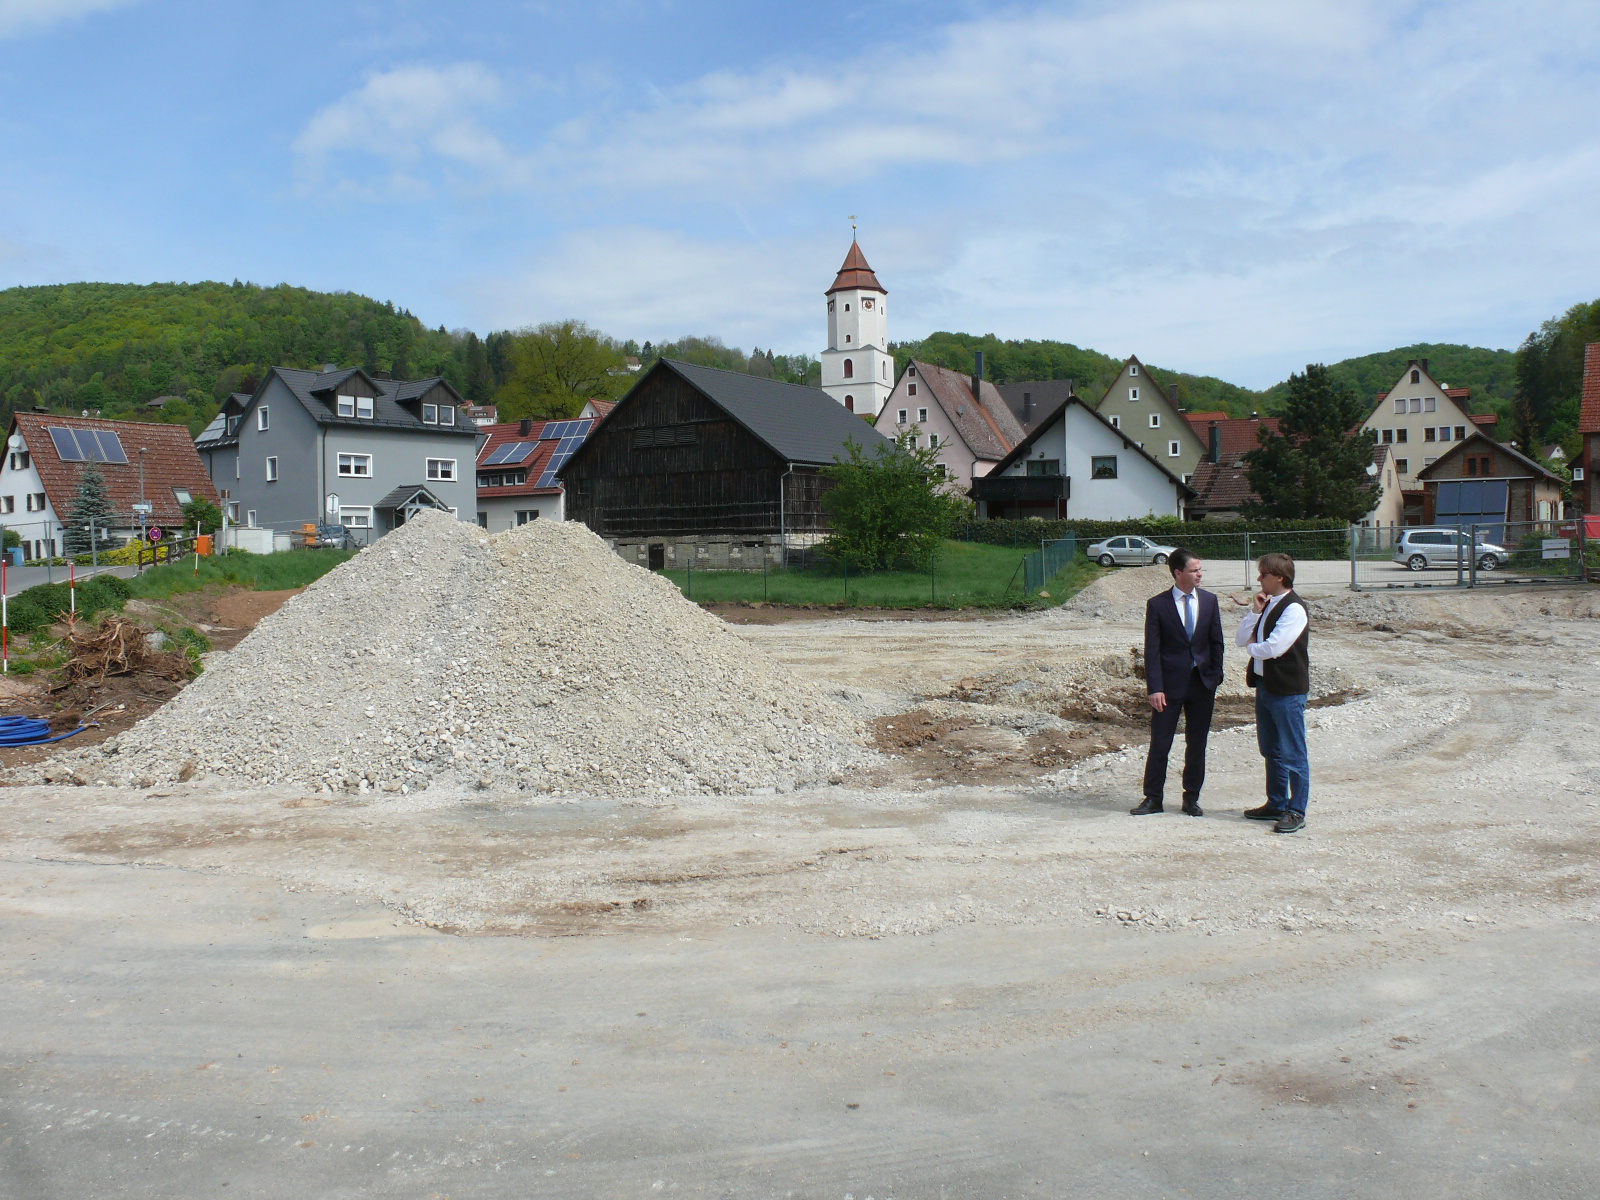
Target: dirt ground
(965, 973)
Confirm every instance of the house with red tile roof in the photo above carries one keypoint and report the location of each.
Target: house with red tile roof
(1421, 419)
(963, 417)
(1221, 479)
(142, 464)
(1585, 487)
(517, 467)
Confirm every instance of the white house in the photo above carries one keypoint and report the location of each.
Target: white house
(857, 368)
(964, 418)
(1076, 465)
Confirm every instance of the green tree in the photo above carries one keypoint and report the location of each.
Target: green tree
(1317, 465)
(203, 513)
(889, 507)
(91, 502)
(556, 367)
(1549, 380)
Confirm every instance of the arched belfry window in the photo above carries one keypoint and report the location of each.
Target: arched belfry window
(849, 369)
(850, 403)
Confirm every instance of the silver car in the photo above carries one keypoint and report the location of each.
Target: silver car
(1129, 551)
(1422, 549)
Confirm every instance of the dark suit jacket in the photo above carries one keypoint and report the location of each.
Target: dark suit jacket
(1170, 656)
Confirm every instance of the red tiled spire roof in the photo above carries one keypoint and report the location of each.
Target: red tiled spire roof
(855, 274)
(1589, 414)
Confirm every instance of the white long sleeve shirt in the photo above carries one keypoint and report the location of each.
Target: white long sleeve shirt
(1284, 634)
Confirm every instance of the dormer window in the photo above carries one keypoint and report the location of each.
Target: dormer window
(430, 414)
(447, 414)
(364, 408)
(347, 406)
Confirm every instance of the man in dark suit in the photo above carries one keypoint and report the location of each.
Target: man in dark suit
(1183, 667)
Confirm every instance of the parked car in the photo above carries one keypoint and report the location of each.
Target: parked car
(1129, 551)
(1420, 549)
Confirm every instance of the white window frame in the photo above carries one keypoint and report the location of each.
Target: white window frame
(1402, 466)
(904, 413)
(433, 464)
(1116, 421)
(933, 441)
(353, 464)
(525, 516)
(1400, 404)
(430, 414)
(364, 408)
(1416, 404)
(922, 416)
(1155, 420)
(250, 518)
(263, 419)
(911, 389)
(233, 511)
(1430, 404)
(447, 414)
(182, 496)
(8, 504)
(272, 468)
(356, 517)
(1133, 393)
(346, 406)
(1133, 368)
(1174, 449)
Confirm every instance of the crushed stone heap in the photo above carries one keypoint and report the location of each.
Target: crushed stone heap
(534, 660)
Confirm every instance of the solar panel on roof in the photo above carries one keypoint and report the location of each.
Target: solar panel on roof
(66, 441)
(520, 451)
(498, 455)
(111, 450)
(510, 452)
(556, 430)
(564, 450)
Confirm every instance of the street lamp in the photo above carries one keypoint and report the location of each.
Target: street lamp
(143, 450)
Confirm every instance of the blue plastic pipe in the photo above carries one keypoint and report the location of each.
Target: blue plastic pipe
(30, 731)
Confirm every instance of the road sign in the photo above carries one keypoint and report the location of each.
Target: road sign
(154, 533)
(143, 507)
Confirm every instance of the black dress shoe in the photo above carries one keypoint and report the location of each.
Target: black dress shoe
(1265, 813)
(1290, 822)
(1145, 809)
(1191, 808)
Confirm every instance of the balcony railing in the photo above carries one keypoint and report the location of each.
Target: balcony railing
(1022, 489)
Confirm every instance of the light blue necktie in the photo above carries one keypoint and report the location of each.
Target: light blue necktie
(1188, 616)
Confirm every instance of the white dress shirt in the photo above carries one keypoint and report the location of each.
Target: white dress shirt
(1284, 634)
(1193, 598)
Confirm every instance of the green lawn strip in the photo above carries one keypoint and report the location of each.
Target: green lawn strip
(965, 574)
(262, 572)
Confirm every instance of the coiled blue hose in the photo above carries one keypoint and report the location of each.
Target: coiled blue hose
(30, 731)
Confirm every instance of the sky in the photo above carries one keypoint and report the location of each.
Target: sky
(1232, 187)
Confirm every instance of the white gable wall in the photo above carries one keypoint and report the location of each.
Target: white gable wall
(1426, 407)
(1141, 489)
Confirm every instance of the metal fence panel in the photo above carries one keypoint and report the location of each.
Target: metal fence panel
(1048, 561)
(1477, 554)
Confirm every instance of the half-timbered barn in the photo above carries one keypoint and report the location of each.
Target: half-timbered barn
(717, 469)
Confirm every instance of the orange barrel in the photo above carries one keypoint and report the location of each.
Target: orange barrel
(203, 543)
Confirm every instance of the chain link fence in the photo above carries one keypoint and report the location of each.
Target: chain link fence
(1491, 553)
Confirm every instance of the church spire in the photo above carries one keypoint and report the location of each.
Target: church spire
(855, 274)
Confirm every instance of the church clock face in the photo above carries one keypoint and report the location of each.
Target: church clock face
(867, 303)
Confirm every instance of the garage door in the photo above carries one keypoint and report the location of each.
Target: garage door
(1482, 502)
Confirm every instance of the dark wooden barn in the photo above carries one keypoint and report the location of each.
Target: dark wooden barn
(711, 463)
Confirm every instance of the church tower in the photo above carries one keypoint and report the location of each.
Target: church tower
(857, 368)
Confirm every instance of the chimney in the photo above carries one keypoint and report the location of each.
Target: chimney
(1027, 407)
(977, 379)
(1214, 454)
(381, 375)
(525, 427)
(1255, 416)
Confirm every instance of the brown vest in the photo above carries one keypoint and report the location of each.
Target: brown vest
(1290, 673)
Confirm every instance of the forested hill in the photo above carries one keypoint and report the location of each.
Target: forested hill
(115, 347)
(1491, 374)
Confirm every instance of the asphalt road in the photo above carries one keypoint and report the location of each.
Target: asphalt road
(174, 1034)
(20, 579)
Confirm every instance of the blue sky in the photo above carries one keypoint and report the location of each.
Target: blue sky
(1230, 186)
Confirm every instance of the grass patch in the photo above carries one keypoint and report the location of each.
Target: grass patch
(964, 575)
(263, 572)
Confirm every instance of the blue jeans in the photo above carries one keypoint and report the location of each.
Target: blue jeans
(1281, 736)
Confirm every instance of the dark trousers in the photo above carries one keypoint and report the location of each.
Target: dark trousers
(1196, 708)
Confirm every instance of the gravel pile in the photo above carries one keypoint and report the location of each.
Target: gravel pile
(533, 660)
(1119, 595)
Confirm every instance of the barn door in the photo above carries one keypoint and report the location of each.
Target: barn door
(658, 556)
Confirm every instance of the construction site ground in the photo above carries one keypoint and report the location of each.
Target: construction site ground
(965, 972)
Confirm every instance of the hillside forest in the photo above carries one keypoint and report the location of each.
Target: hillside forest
(173, 352)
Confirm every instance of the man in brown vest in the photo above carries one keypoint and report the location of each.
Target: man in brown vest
(1276, 632)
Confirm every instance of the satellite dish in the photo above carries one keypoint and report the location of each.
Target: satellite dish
(1372, 468)
(15, 441)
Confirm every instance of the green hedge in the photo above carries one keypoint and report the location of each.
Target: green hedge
(46, 604)
(1210, 539)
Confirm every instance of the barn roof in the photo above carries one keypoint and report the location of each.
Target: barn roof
(801, 425)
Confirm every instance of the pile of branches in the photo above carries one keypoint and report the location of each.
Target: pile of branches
(118, 646)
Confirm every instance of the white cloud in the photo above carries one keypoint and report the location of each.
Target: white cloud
(29, 16)
(410, 120)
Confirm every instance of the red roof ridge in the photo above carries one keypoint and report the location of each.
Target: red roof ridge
(1589, 412)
